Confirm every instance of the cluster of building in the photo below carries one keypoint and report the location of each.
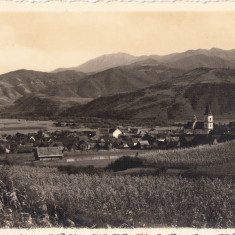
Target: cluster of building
(55, 144)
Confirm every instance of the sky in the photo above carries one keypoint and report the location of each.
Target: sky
(45, 38)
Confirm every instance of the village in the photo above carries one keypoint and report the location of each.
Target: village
(59, 143)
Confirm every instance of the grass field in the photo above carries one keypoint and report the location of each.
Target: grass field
(192, 157)
(51, 196)
(12, 126)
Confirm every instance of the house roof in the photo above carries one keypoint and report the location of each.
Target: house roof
(189, 125)
(172, 139)
(84, 138)
(56, 143)
(24, 148)
(189, 138)
(134, 140)
(111, 130)
(103, 131)
(83, 142)
(49, 152)
(143, 142)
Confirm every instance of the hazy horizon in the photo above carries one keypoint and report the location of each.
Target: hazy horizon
(45, 41)
(114, 54)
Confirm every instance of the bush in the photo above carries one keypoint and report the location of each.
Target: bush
(124, 163)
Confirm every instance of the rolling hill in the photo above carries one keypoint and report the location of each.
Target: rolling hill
(33, 106)
(17, 84)
(80, 86)
(168, 100)
(125, 78)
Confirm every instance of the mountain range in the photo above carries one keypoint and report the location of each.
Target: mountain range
(213, 58)
(168, 100)
(123, 86)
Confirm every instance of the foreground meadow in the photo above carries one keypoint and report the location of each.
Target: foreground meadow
(47, 197)
(52, 198)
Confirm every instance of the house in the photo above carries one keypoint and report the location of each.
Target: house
(92, 144)
(5, 147)
(132, 130)
(142, 131)
(84, 145)
(173, 142)
(27, 148)
(200, 127)
(46, 135)
(117, 144)
(43, 153)
(194, 127)
(57, 144)
(115, 132)
(32, 139)
(154, 144)
(143, 144)
(162, 143)
(13, 147)
(72, 147)
(91, 133)
(125, 145)
(83, 138)
(133, 143)
(102, 132)
(106, 142)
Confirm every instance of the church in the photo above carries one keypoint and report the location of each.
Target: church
(200, 127)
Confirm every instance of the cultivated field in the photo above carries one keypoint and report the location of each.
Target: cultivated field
(12, 126)
(52, 198)
(49, 196)
(191, 157)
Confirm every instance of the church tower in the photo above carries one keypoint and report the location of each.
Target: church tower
(208, 119)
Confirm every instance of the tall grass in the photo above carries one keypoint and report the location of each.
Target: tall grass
(191, 157)
(56, 199)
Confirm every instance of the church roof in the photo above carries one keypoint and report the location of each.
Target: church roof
(189, 125)
(208, 110)
(198, 125)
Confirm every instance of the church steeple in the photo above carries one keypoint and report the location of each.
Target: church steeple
(208, 119)
(208, 110)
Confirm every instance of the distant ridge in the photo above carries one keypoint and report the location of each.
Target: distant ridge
(227, 59)
(103, 62)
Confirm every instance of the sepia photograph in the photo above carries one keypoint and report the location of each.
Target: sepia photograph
(117, 115)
